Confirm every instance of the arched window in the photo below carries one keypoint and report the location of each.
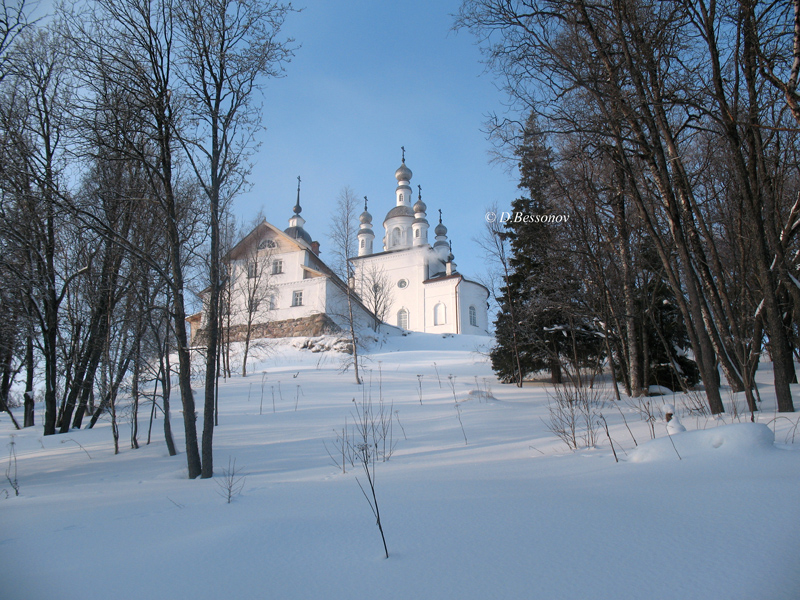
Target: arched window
(402, 198)
(473, 316)
(402, 318)
(416, 233)
(396, 236)
(439, 314)
(363, 241)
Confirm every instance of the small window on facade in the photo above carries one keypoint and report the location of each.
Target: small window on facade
(252, 270)
(402, 318)
(473, 316)
(297, 298)
(277, 267)
(402, 284)
(402, 197)
(439, 316)
(273, 302)
(363, 242)
(396, 236)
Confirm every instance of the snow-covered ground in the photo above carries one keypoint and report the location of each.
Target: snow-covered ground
(511, 513)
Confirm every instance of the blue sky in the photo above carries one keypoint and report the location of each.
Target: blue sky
(369, 78)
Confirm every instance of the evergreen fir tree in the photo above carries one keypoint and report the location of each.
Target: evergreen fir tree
(666, 338)
(542, 284)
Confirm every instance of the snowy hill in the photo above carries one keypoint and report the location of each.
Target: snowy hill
(478, 498)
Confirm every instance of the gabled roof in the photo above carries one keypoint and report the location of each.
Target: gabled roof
(257, 232)
(322, 270)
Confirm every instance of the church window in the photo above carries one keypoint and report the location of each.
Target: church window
(363, 242)
(439, 314)
(473, 316)
(403, 283)
(416, 233)
(402, 198)
(402, 318)
(277, 267)
(297, 298)
(396, 236)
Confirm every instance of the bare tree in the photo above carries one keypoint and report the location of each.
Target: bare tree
(13, 20)
(252, 283)
(650, 85)
(376, 293)
(495, 249)
(35, 129)
(130, 45)
(228, 48)
(344, 247)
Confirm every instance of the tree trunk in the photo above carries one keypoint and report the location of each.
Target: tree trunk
(352, 329)
(184, 359)
(135, 392)
(29, 374)
(166, 386)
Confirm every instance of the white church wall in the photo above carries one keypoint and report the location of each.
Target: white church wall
(405, 272)
(337, 309)
(472, 294)
(279, 285)
(440, 301)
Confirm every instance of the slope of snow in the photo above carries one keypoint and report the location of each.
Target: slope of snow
(510, 513)
(741, 441)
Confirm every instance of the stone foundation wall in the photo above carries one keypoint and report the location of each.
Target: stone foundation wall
(312, 326)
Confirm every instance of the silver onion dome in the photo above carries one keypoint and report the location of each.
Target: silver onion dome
(403, 173)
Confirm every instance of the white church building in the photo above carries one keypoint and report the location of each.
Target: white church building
(427, 293)
(280, 287)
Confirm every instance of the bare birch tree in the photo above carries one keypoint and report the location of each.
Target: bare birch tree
(252, 283)
(344, 247)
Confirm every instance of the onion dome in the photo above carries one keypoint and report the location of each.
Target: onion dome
(420, 206)
(295, 229)
(365, 216)
(440, 229)
(400, 211)
(403, 173)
